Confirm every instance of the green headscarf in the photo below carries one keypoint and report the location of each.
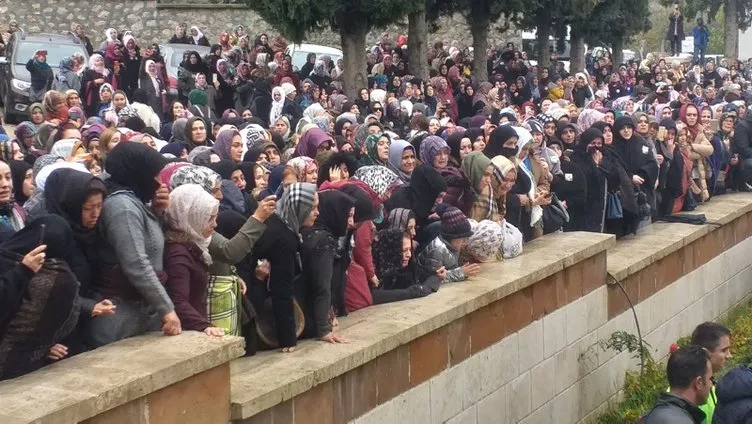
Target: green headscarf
(474, 165)
(198, 98)
(372, 154)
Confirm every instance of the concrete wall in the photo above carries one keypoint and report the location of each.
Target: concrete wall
(549, 371)
(152, 24)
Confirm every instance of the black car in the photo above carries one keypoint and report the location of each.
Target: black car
(15, 79)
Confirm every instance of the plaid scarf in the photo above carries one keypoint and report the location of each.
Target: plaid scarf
(296, 204)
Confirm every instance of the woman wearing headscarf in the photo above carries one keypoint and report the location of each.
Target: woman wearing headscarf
(402, 159)
(262, 102)
(286, 71)
(30, 276)
(226, 81)
(92, 80)
(12, 216)
(306, 169)
(131, 60)
(321, 271)
(435, 152)
(229, 146)
(191, 219)
(479, 170)
(700, 149)
(198, 37)
(150, 81)
(196, 133)
(723, 161)
(464, 102)
(377, 150)
(425, 188)
(67, 78)
(131, 261)
(597, 172)
(312, 143)
(188, 72)
(23, 186)
(296, 209)
(642, 168)
(320, 76)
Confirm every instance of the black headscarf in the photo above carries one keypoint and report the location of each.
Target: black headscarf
(334, 209)
(198, 68)
(425, 186)
(455, 141)
(66, 191)
(133, 166)
(587, 137)
(224, 168)
(18, 170)
(387, 252)
(364, 207)
(499, 136)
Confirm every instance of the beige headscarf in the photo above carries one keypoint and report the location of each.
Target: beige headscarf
(188, 213)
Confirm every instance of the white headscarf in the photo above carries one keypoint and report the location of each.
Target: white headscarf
(93, 66)
(152, 76)
(110, 34)
(198, 35)
(189, 212)
(276, 111)
(41, 179)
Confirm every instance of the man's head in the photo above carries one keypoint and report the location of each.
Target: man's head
(716, 340)
(689, 373)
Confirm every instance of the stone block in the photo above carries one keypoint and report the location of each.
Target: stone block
(541, 378)
(567, 368)
(492, 409)
(203, 398)
(543, 415)
(597, 308)
(486, 326)
(531, 345)
(394, 373)
(468, 416)
(503, 365)
(518, 311)
(411, 406)
(554, 332)
(315, 405)
(458, 339)
(447, 391)
(428, 356)
(617, 302)
(546, 295)
(518, 398)
(358, 390)
(567, 405)
(588, 353)
(133, 412)
(594, 273)
(573, 276)
(576, 316)
(379, 415)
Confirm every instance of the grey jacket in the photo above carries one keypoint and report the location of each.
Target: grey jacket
(229, 252)
(135, 241)
(440, 253)
(673, 409)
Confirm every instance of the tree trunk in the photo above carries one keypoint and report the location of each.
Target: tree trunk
(730, 30)
(353, 48)
(543, 32)
(479, 30)
(577, 53)
(617, 52)
(417, 38)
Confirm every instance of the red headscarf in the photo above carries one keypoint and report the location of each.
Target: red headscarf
(695, 129)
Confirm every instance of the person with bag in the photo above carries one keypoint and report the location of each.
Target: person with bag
(191, 219)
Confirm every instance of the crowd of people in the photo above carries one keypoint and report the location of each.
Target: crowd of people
(264, 201)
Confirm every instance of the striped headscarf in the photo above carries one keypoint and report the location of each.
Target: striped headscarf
(296, 204)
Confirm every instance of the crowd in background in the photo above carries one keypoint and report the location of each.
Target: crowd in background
(265, 201)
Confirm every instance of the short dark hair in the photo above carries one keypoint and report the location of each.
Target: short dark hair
(419, 122)
(685, 365)
(708, 335)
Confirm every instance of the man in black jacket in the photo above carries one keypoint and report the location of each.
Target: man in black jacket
(741, 145)
(689, 373)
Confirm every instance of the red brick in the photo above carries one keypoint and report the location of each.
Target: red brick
(359, 391)
(486, 326)
(518, 310)
(687, 258)
(458, 340)
(617, 303)
(546, 295)
(669, 269)
(203, 398)
(646, 281)
(315, 405)
(282, 413)
(428, 356)
(573, 282)
(594, 273)
(393, 373)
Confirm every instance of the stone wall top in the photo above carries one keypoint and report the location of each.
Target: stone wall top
(86, 385)
(269, 378)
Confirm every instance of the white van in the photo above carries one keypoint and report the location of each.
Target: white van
(299, 53)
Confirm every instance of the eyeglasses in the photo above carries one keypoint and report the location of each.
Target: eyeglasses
(378, 110)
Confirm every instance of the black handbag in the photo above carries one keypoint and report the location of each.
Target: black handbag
(555, 215)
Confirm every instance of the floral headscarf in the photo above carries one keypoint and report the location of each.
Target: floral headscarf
(486, 240)
(201, 175)
(379, 178)
(301, 164)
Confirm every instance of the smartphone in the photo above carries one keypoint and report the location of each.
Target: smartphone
(42, 229)
(661, 133)
(215, 79)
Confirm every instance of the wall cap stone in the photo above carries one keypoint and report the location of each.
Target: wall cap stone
(89, 384)
(658, 240)
(269, 378)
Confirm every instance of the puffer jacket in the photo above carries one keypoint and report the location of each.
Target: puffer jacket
(734, 397)
(440, 253)
(670, 408)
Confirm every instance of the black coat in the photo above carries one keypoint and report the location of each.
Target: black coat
(670, 408)
(678, 23)
(571, 186)
(590, 213)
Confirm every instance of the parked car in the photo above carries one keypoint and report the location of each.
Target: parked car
(173, 56)
(299, 53)
(15, 80)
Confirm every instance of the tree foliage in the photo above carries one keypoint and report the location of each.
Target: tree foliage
(710, 9)
(613, 19)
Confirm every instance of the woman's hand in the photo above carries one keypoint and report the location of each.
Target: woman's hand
(214, 331)
(290, 349)
(171, 324)
(161, 200)
(262, 270)
(597, 156)
(471, 269)
(542, 199)
(266, 208)
(441, 273)
(104, 307)
(334, 339)
(57, 352)
(99, 81)
(524, 199)
(335, 174)
(34, 259)
(243, 287)
(374, 281)
(638, 180)
(659, 158)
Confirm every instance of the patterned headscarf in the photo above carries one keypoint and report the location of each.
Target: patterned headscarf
(431, 147)
(379, 178)
(296, 204)
(188, 213)
(372, 154)
(486, 240)
(201, 175)
(398, 218)
(300, 164)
